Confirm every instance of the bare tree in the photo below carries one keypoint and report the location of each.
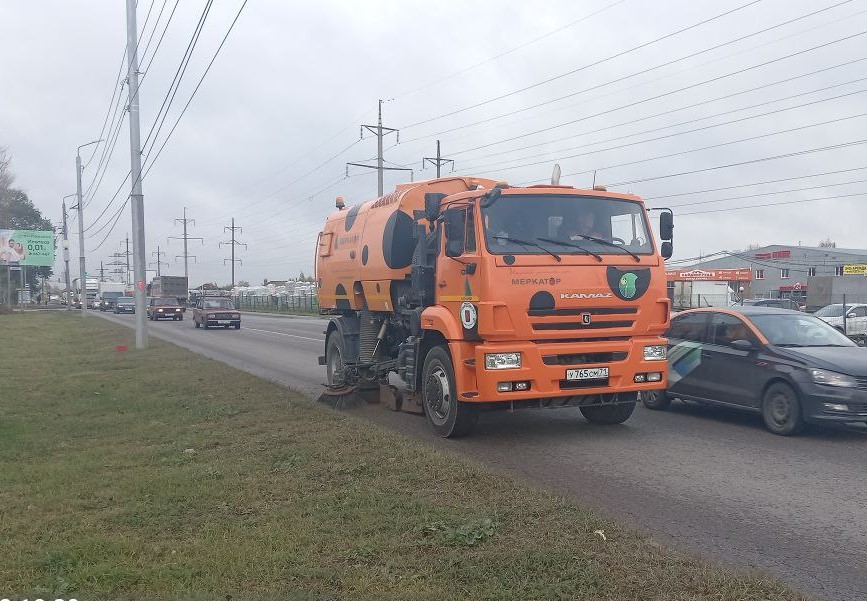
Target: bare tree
(6, 176)
(827, 243)
(754, 246)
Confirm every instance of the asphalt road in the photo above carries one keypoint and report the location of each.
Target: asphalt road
(710, 481)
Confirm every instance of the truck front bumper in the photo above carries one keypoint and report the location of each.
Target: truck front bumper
(544, 369)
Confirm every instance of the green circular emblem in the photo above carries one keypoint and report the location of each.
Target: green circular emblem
(627, 285)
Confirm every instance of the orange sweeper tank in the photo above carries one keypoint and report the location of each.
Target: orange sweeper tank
(482, 296)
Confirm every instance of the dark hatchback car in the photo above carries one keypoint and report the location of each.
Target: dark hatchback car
(124, 304)
(164, 308)
(790, 367)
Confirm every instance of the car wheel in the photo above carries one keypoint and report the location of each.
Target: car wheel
(196, 323)
(237, 326)
(656, 399)
(181, 318)
(447, 416)
(205, 325)
(608, 415)
(781, 410)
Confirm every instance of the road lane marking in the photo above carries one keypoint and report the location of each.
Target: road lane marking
(285, 334)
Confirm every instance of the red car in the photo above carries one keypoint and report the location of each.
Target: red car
(216, 312)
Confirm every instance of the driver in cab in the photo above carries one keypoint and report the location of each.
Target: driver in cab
(581, 226)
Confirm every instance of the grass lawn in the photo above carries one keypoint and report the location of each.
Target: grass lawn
(162, 474)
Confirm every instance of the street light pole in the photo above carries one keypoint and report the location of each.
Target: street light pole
(80, 206)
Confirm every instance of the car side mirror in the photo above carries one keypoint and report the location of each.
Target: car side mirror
(742, 345)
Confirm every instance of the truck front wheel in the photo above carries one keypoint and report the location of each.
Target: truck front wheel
(334, 352)
(608, 414)
(446, 415)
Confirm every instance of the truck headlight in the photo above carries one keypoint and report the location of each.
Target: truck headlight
(502, 360)
(832, 378)
(657, 352)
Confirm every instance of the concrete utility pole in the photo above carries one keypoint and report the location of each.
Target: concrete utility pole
(158, 262)
(136, 196)
(82, 268)
(233, 243)
(438, 161)
(186, 237)
(66, 255)
(380, 132)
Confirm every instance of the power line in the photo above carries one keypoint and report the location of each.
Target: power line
(196, 89)
(741, 163)
(629, 76)
(804, 189)
(720, 145)
(179, 74)
(770, 204)
(669, 93)
(681, 133)
(689, 106)
(769, 181)
(589, 65)
(159, 42)
(510, 50)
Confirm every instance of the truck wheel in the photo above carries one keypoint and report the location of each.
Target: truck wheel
(656, 399)
(608, 414)
(782, 411)
(448, 416)
(334, 353)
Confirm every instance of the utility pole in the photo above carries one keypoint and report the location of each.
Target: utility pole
(82, 268)
(101, 272)
(185, 222)
(126, 255)
(233, 243)
(66, 255)
(158, 262)
(118, 262)
(438, 161)
(380, 132)
(136, 195)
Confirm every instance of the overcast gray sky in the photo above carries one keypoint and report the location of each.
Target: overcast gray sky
(295, 79)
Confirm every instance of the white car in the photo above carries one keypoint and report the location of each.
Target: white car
(96, 303)
(855, 314)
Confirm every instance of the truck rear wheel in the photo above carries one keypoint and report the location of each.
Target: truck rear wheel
(446, 415)
(334, 353)
(608, 414)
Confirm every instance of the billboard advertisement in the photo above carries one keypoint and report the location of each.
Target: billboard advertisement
(27, 247)
(710, 275)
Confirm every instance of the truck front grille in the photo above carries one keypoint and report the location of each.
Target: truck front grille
(584, 358)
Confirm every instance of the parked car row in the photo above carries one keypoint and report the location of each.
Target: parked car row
(792, 368)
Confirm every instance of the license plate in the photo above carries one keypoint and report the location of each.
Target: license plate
(224, 322)
(590, 373)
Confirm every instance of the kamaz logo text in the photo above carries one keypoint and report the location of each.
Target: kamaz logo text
(581, 295)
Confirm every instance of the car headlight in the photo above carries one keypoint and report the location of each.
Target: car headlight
(657, 352)
(832, 378)
(159, 310)
(235, 316)
(502, 360)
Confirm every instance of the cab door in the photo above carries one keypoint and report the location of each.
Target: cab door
(457, 268)
(730, 375)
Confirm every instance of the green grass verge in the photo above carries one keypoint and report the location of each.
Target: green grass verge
(162, 474)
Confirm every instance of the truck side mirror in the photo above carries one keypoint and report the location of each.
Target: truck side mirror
(666, 250)
(454, 227)
(432, 204)
(666, 225)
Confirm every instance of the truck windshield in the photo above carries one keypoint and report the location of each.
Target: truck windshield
(619, 226)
